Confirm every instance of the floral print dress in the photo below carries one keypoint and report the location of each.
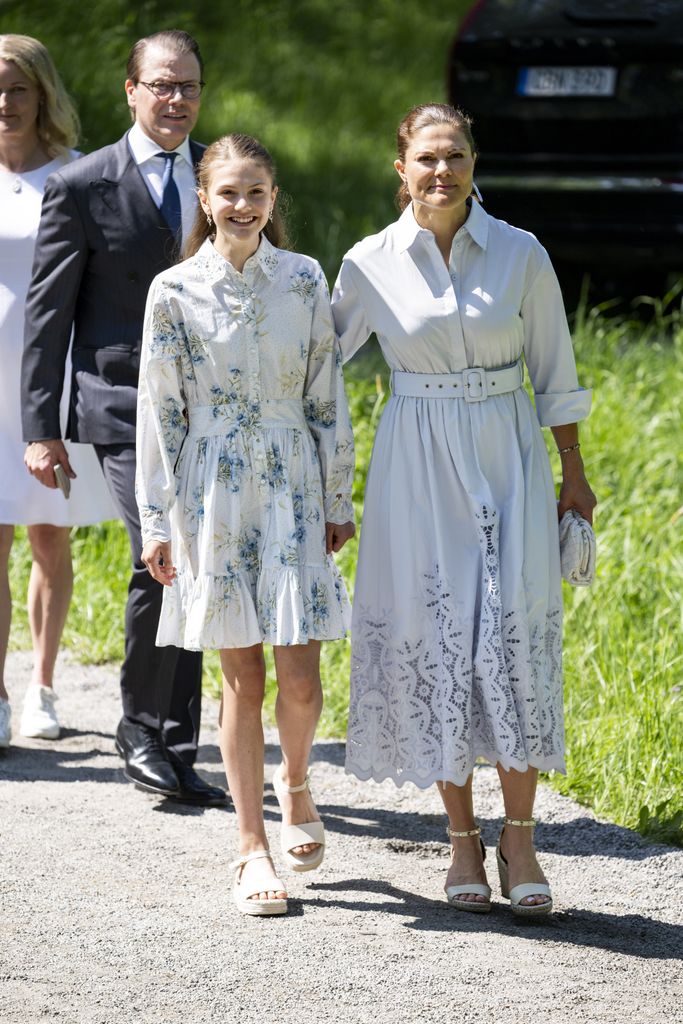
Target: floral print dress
(244, 450)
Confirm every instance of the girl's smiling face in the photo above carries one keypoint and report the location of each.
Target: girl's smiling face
(239, 197)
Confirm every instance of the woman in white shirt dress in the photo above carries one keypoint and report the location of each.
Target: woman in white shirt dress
(245, 469)
(457, 618)
(38, 124)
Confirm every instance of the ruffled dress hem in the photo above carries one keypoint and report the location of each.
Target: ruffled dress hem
(282, 606)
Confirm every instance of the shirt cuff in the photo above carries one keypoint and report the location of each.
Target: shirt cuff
(339, 509)
(154, 525)
(556, 410)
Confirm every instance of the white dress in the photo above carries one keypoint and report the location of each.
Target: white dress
(23, 500)
(244, 450)
(457, 616)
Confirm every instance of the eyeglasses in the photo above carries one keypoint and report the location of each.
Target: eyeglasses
(165, 90)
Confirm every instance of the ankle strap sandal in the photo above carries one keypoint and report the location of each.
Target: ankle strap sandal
(525, 889)
(455, 893)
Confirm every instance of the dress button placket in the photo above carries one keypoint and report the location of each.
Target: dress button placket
(248, 300)
(454, 271)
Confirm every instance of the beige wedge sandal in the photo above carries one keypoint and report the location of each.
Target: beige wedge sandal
(299, 835)
(524, 889)
(244, 900)
(454, 892)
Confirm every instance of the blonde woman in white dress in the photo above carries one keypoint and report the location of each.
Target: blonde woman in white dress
(245, 469)
(457, 617)
(38, 127)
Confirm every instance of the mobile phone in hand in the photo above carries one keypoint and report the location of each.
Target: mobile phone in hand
(63, 481)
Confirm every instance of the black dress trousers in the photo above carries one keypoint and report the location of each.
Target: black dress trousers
(160, 686)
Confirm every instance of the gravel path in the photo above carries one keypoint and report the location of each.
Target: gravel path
(115, 906)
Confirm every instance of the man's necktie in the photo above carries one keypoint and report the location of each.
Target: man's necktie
(170, 200)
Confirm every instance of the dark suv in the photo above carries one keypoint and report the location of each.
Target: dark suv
(578, 114)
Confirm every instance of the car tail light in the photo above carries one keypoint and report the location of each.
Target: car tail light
(466, 21)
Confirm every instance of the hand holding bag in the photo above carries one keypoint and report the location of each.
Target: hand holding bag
(577, 549)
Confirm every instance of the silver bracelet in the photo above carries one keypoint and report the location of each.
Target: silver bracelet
(571, 448)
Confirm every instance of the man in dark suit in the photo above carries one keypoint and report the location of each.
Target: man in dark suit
(110, 222)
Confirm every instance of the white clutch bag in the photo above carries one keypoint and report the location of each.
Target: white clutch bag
(577, 549)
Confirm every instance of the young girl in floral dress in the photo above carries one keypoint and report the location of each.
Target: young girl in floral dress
(245, 468)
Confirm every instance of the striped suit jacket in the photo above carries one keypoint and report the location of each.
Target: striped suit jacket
(100, 243)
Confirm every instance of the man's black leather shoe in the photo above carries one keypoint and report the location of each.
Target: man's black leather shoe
(147, 763)
(193, 790)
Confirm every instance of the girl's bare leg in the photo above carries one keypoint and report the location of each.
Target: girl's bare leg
(467, 864)
(6, 538)
(241, 742)
(297, 710)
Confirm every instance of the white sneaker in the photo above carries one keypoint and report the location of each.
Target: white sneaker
(5, 723)
(39, 719)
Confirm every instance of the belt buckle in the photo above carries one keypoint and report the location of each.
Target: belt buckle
(474, 384)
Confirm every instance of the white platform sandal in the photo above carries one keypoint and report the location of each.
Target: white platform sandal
(524, 889)
(244, 900)
(454, 892)
(299, 835)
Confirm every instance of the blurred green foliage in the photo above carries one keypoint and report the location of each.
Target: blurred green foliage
(323, 85)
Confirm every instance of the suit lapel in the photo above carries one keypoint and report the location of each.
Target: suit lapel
(124, 192)
(197, 151)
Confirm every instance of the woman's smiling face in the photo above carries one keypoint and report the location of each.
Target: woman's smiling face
(19, 102)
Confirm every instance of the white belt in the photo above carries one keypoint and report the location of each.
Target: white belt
(474, 384)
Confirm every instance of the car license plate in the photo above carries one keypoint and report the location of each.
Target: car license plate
(591, 81)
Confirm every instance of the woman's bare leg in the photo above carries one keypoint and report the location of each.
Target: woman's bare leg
(49, 594)
(517, 842)
(241, 733)
(6, 538)
(297, 710)
(467, 864)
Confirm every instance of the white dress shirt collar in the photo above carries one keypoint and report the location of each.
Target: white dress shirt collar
(476, 225)
(143, 148)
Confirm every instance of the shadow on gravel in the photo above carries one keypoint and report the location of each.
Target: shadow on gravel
(51, 761)
(630, 934)
(68, 734)
(423, 834)
(168, 806)
(48, 763)
(209, 753)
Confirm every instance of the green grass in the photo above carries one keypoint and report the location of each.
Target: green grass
(623, 636)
